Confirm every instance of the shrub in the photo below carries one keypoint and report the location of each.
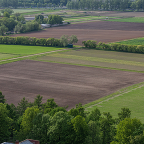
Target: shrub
(90, 44)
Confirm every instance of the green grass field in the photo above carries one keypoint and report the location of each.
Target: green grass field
(133, 19)
(132, 99)
(98, 58)
(137, 41)
(10, 51)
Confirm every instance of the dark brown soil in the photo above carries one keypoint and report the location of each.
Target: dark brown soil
(101, 31)
(68, 85)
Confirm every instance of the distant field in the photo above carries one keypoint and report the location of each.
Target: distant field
(34, 11)
(138, 41)
(25, 10)
(85, 18)
(132, 99)
(98, 58)
(10, 51)
(133, 19)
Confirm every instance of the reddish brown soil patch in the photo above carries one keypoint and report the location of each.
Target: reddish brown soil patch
(68, 85)
(100, 31)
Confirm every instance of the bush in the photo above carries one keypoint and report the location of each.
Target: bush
(90, 44)
(114, 47)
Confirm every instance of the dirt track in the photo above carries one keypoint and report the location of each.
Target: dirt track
(101, 31)
(68, 85)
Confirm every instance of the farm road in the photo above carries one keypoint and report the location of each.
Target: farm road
(67, 84)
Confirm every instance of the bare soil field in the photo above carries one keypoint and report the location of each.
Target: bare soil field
(67, 84)
(101, 31)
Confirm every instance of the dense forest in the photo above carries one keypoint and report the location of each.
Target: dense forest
(52, 124)
(121, 5)
(78, 4)
(32, 3)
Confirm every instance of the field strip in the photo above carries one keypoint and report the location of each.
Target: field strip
(114, 96)
(97, 59)
(31, 55)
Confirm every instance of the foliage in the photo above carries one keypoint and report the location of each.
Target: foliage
(28, 117)
(80, 127)
(3, 29)
(22, 106)
(94, 133)
(6, 14)
(2, 99)
(90, 44)
(64, 40)
(73, 39)
(60, 130)
(39, 18)
(128, 129)
(10, 23)
(107, 128)
(125, 113)
(94, 115)
(41, 124)
(10, 11)
(122, 5)
(79, 110)
(55, 19)
(114, 46)
(49, 105)
(5, 122)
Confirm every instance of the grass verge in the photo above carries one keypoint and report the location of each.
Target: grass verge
(131, 97)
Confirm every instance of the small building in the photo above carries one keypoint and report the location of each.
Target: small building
(45, 25)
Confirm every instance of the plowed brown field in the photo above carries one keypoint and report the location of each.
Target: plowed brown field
(101, 31)
(67, 84)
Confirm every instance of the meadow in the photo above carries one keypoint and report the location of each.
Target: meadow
(98, 58)
(137, 41)
(10, 51)
(132, 98)
(131, 19)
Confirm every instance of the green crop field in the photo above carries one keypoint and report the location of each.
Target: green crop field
(133, 19)
(137, 41)
(10, 51)
(98, 58)
(132, 99)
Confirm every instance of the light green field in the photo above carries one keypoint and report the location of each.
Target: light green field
(10, 51)
(137, 41)
(132, 99)
(84, 18)
(98, 58)
(133, 19)
(25, 10)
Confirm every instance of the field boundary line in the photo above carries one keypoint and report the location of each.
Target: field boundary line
(31, 55)
(115, 96)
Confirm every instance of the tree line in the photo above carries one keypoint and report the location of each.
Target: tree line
(91, 44)
(32, 3)
(21, 40)
(121, 5)
(52, 124)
